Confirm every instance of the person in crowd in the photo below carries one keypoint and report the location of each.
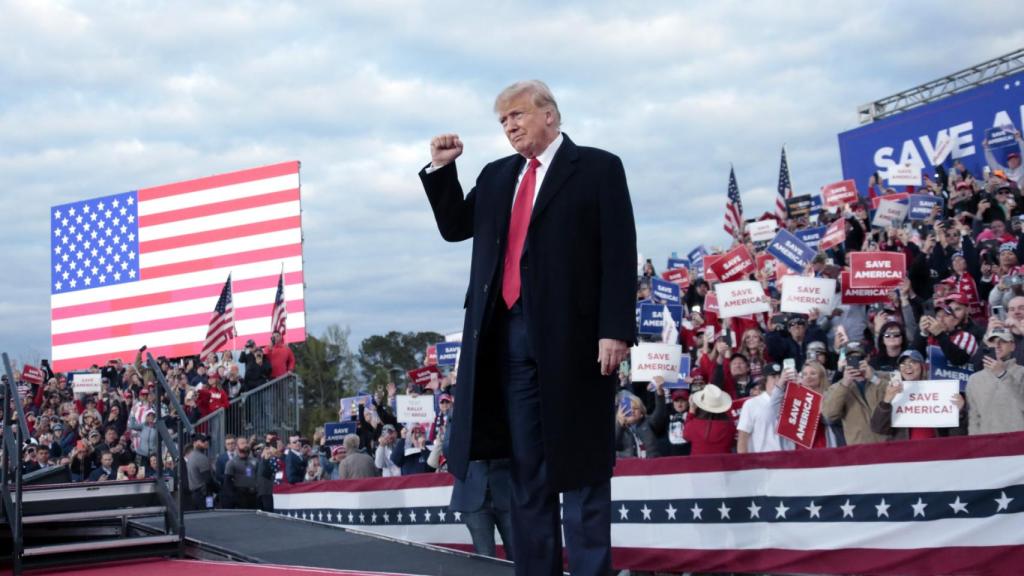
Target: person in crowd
(147, 436)
(282, 360)
(266, 475)
(200, 474)
(331, 466)
(758, 420)
(752, 347)
(485, 502)
(294, 461)
(911, 368)
(313, 470)
(222, 460)
(213, 396)
(240, 476)
(357, 463)
(951, 329)
(257, 370)
(105, 471)
(995, 394)
(793, 340)
(890, 344)
(813, 376)
(385, 448)
(411, 459)
(129, 471)
(633, 435)
(853, 399)
(742, 379)
(710, 429)
(671, 408)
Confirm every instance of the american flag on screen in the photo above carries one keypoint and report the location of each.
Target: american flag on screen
(733, 208)
(146, 267)
(785, 188)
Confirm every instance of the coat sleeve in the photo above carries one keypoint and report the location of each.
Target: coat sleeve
(881, 419)
(617, 309)
(834, 405)
(452, 211)
(973, 413)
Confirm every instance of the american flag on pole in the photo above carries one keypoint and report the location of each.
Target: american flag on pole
(914, 508)
(733, 208)
(785, 188)
(222, 323)
(147, 266)
(279, 316)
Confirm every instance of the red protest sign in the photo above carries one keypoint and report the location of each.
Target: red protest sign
(31, 374)
(710, 261)
(894, 197)
(839, 193)
(851, 295)
(733, 265)
(798, 419)
(431, 355)
(877, 269)
(710, 308)
(737, 406)
(421, 376)
(834, 235)
(678, 276)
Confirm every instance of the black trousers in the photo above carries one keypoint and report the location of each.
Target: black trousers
(536, 527)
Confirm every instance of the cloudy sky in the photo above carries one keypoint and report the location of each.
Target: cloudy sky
(103, 97)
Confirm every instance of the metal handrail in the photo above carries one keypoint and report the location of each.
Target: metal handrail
(12, 389)
(241, 397)
(162, 382)
(175, 515)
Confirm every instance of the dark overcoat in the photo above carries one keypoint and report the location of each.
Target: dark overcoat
(578, 275)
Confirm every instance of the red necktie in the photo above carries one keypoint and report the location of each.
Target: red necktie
(521, 210)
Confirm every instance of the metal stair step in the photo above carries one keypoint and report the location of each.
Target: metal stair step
(99, 545)
(94, 515)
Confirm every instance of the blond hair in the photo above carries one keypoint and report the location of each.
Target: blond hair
(541, 96)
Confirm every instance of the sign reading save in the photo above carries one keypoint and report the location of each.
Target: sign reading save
(877, 269)
(801, 409)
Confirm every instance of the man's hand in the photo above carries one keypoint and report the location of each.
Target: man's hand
(993, 365)
(609, 352)
(444, 149)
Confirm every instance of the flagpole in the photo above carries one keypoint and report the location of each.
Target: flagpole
(234, 331)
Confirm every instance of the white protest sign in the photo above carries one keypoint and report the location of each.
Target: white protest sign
(87, 383)
(926, 404)
(650, 359)
(904, 175)
(740, 298)
(890, 213)
(762, 230)
(415, 408)
(801, 294)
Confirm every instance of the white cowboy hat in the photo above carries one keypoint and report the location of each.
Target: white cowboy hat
(712, 399)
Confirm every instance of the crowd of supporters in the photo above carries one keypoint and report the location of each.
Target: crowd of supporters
(112, 435)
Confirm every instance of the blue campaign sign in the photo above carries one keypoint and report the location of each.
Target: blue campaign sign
(678, 263)
(791, 251)
(921, 206)
(335, 432)
(447, 352)
(816, 204)
(812, 236)
(696, 257)
(665, 291)
(650, 322)
(941, 369)
(937, 133)
(684, 372)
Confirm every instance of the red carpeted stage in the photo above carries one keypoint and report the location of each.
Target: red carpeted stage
(159, 567)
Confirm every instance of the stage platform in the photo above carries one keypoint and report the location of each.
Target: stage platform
(261, 538)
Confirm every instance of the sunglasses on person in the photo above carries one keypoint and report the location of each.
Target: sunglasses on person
(893, 335)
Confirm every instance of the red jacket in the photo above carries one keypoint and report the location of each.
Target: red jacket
(211, 398)
(709, 436)
(282, 361)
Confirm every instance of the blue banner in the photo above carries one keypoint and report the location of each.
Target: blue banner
(665, 291)
(696, 257)
(335, 432)
(684, 372)
(941, 369)
(350, 406)
(650, 322)
(678, 263)
(791, 251)
(936, 133)
(447, 352)
(812, 236)
(921, 206)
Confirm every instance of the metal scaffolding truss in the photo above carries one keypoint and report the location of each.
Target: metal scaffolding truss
(946, 86)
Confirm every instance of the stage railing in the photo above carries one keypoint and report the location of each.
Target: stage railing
(175, 514)
(10, 476)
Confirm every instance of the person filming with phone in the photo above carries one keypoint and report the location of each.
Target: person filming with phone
(995, 394)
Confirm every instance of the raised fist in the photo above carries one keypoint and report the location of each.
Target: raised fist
(444, 149)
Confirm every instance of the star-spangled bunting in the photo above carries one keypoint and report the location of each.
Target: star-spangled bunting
(883, 507)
